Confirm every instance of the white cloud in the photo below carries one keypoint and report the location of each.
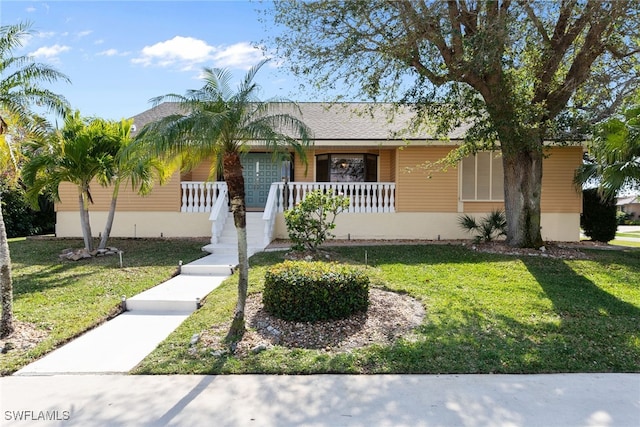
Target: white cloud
(240, 55)
(46, 34)
(184, 53)
(83, 33)
(99, 41)
(178, 50)
(108, 52)
(30, 9)
(50, 51)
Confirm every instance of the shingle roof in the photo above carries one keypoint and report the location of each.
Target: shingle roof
(628, 200)
(343, 122)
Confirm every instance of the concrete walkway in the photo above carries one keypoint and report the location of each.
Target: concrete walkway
(608, 400)
(118, 345)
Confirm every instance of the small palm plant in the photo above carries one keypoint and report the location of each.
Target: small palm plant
(489, 228)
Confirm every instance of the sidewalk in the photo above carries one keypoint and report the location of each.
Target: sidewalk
(611, 400)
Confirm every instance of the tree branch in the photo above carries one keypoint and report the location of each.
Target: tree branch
(591, 49)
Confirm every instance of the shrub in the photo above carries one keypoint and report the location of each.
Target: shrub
(489, 228)
(307, 222)
(621, 217)
(598, 219)
(20, 219)
(310, 291)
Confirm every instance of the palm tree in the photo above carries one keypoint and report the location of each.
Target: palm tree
(133, 165)
(20, 87)
(81, 151)
(218, 122)
(21, 79)
(613, 160)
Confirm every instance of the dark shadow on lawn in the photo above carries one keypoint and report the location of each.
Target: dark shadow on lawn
(597, 324)
(45, 278)
(573, 295)
(394, 254)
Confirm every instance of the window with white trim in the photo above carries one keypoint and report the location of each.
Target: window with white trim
(482, 178)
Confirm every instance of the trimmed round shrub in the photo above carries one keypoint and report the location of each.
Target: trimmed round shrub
(310, 291)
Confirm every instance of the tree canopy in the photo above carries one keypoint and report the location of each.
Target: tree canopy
(21, 79)
(521, 72)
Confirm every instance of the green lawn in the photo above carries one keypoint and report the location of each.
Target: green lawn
(635, 234)
(618, 242)
(485, 314)
(67, 298)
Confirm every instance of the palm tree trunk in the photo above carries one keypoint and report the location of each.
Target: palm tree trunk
(84, 218)
(232, 170)
(112, 211)
(6, 286)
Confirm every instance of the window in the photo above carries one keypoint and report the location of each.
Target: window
(482, 177)
(346, 168)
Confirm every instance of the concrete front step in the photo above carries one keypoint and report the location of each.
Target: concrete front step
(228, 239)
(178, 294)
(212, 265)
(226, 249)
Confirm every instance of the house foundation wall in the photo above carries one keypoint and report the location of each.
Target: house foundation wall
(564, 227)
(560, 227)
(138, 224)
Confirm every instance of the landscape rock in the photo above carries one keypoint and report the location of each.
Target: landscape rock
(258, 349)
(79, 254)
(194, 339)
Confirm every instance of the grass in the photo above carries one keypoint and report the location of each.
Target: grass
(619, 242)
(67, 298)
(485, 314)
(635, 234)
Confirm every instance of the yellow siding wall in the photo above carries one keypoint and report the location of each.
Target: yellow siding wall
(201, 172)
(385, 159)
(559, 194)
(482, 207)
(165, 198)
(420, 190)
(299, 168)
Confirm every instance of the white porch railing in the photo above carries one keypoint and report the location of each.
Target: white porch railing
(219, 212)
(200, 196)
(364, 197)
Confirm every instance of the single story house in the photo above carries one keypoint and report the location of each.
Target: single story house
(629, 205)
(392, 194)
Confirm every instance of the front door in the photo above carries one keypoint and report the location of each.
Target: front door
(259, 171)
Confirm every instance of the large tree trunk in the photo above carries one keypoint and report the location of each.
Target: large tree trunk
(6, 286)
(232, 170)
(112, 212)
(84, 218)
(522, 192)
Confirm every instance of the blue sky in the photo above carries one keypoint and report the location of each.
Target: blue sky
(119, 54)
